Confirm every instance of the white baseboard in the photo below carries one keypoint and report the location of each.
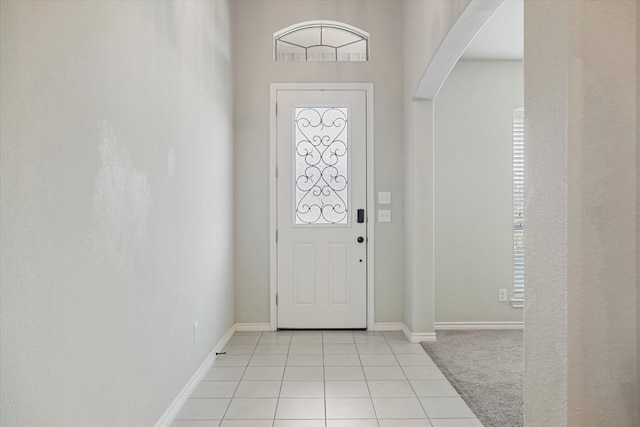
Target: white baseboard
(414, 337)
(387, 327)
(418, 337)
(446, 326)
(253, 327)
(167, 418)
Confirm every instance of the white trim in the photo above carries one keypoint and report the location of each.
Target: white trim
(172, 411)
(414, 337)
(445, 326)
(418, 337)
(387, 327)
(273, 213)
(371, 218)
(253, 327)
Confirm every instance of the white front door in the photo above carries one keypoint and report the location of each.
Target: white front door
(321, 202)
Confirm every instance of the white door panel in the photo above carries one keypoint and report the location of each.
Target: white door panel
(321, 184)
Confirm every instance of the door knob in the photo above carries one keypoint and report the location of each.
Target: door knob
(360, 239)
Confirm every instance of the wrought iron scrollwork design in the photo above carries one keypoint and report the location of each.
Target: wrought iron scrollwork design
(321, 165)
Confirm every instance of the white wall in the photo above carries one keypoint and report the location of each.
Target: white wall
(426, 23)
(473, 204)
(254, 22)
(116, 220)
(581, 310)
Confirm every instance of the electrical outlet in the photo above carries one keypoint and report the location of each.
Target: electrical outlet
(502, 295)
(195, 332)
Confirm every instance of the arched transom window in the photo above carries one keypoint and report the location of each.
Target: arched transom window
(321, 41)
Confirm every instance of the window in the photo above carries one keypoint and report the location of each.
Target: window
(321, 41)
(518, 208)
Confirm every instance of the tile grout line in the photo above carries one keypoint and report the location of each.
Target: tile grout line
(244, 372)
(324, 383)
(367, 382)
(284, 370)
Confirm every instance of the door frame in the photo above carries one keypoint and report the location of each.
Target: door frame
(367, 88)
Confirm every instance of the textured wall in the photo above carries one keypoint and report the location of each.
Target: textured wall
(255, 21)
(116, 206)
(473, 201)
(581, 309)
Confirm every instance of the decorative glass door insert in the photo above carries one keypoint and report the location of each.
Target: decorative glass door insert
(321, 166)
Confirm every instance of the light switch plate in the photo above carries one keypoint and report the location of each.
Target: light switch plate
(384, 215)
(384, 197)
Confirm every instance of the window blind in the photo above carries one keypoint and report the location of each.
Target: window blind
(518, 203)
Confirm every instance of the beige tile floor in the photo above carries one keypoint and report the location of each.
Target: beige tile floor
(324, 379)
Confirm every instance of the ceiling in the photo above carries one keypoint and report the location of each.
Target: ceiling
(502, 37)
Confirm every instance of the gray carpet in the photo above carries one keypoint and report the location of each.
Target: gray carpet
(487, 369)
